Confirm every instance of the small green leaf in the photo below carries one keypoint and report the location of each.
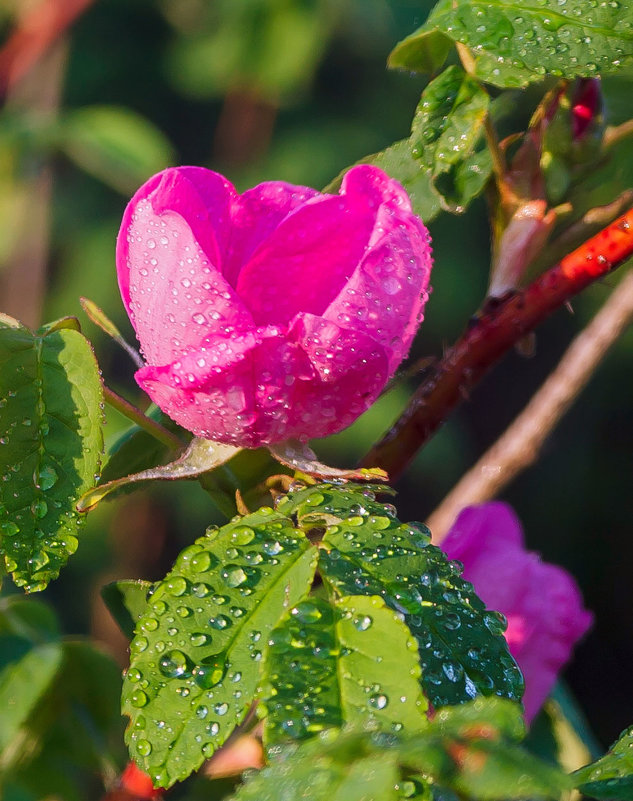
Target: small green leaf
(447, 128)
(115, 144)
(337, 769)
(472, 750)
(440, 165)
(514, 44)
(367, 551)
(422, 51)
(611, 777)
(449, 120)
(51, 443)
(127, 602)
(195, 659)
(352, 663)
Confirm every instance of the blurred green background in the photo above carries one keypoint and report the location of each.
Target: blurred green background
(293, 90)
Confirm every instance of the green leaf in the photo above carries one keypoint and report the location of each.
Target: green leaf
(28, 619)
(472, 750)
(195, 659)
(352, 663)
(514, 44)
(115, 144)
(449, 120)
(51, 442)
(465, 752)
(337, 769)
(611, 777)
(127, 602)
(367, 551)
(23, 682)
(422, 51)
(440, 165)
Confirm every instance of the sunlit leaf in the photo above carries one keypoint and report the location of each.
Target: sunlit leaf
(50, 442)
(514, 44)
(366, 550)
(200, 456)
(353, 663)
(611, 777)
(195, 659)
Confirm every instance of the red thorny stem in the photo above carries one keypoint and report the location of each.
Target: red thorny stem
(490, 335)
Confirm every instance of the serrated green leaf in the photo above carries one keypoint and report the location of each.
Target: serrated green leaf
(127, 602)
(449, 120)
(51, 442)
(367, 551)
(440, 165)
(514, 44)
(332, 770)
(114, 144)
(472, 756)
(351, 663)
(611, 777)
(195, 659)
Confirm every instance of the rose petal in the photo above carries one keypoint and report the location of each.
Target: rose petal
(385, 296)
(352, 369)
(214, 392)
(170, 279)
(305, 263)
(254, 217)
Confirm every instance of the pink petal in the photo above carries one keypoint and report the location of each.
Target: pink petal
(254, 217)
(168, 260)
(385, 296)
(231, 390)
(352, 370)
(493, 526)
(305, 263)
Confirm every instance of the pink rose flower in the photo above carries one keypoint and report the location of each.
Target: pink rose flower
(276, 314)
(542, 602)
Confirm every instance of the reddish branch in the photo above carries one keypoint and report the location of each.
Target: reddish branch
(491, 334)
(35, 33)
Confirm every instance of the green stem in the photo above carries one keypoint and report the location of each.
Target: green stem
(134, 414)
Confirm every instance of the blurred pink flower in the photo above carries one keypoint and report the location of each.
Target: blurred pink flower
(279, 313)
(542, 602)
